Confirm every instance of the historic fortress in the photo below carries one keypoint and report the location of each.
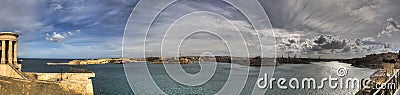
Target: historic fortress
(15, 82)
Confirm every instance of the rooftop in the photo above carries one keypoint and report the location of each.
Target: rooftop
(9, 33)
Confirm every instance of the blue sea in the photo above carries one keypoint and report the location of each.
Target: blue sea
(111, 80)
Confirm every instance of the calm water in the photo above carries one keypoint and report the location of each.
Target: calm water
(110, 78)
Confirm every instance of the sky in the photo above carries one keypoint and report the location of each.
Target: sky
(66, 28)
(307, 28)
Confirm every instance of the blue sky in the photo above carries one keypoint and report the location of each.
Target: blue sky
(66, 28)
(94, 28)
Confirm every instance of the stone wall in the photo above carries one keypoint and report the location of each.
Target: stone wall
(11, 83)
(15, 86)
(82, 87)
(65, 76)
(73, 82)
(6, 70)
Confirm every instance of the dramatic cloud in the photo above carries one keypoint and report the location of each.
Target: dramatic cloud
(367, 11)
(348, 27)
(344, 18)
(213, 19)
(308, 27)
(328, 44)
(391, 26)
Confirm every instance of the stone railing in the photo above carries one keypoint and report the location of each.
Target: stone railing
(387, 87)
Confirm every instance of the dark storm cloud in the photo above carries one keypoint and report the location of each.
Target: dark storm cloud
(348, 27)
(328, 44)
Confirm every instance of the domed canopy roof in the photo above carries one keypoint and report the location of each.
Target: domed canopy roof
(9, 33)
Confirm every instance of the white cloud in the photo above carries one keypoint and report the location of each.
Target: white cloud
(70, 33)
(57, 7)
(58, 37)
(38, 20)
(55, 37)
(391, 26)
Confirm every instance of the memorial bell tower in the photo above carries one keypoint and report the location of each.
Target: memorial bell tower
(9, 41)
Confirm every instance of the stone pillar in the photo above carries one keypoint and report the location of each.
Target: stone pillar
(10, 52)
(15, 52)
(3, 51)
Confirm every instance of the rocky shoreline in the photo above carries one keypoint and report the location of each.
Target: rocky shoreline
(369, 61)
(375, 60)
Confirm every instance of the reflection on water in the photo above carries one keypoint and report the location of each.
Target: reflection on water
(110, 78)
(319, 70)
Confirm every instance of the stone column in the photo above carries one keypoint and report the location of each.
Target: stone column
(3, 51)
(15, 52)
(10, 52)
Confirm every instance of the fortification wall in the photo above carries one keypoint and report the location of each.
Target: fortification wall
(15, 86)
(65, 76)
(11, 83)
(82, 86)
(75, 82)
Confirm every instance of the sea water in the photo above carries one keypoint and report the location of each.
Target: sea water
(110, 79)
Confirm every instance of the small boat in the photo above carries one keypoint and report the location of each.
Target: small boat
(50, 63)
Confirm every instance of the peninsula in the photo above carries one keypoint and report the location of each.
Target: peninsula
(100, 61)
(169, 60)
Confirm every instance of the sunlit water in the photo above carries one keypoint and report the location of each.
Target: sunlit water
(110, 78)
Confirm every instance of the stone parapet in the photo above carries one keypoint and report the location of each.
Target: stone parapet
(65, 76)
